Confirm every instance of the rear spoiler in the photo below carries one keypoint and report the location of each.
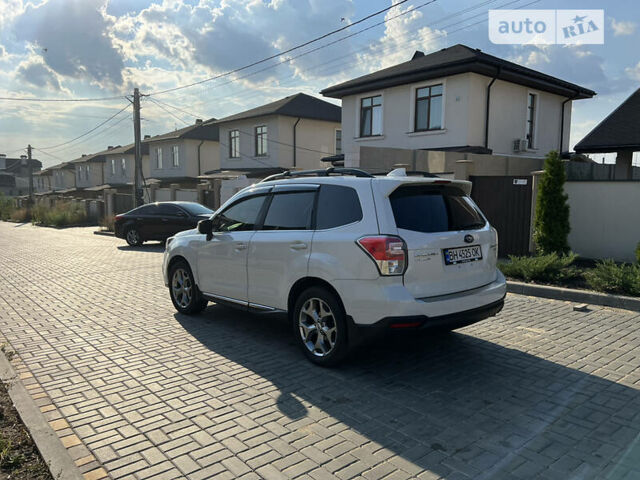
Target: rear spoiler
(399, 177)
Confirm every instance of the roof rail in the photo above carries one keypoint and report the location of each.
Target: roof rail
(319, 173)
(414, 173)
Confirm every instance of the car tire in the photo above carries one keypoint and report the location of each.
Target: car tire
(318, 310)
(185, 294)
(132, 236)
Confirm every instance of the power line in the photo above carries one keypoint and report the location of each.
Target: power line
(276, 55)
(32, 99)
(87, 132)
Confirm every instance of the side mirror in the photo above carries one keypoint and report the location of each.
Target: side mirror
(206, 228)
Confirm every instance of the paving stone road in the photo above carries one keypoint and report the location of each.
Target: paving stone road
(136, 391)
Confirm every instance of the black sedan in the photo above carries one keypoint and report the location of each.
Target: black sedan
(159, 221)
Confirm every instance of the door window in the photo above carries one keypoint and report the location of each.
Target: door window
(240, 216)
(169, 210)
(150, 209)
(290, 211)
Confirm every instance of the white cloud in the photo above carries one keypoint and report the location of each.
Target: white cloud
(35, 72)
(622, 27)
(633, 72)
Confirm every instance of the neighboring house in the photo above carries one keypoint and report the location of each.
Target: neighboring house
(119, 165)
(185, 154)
(89, 170)
(619, 132)
(456, 99)
(294, 132)
(63, 177)
(42, 181)
(14, 174)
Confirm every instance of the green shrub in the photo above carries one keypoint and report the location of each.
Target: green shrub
(611, 277)
(551, 226)
(546, 268)
(7, 206)
(60, 215)
(19, 215)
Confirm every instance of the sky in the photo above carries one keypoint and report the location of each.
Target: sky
(70, 49)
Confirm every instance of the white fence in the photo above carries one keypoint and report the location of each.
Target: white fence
(605, 218)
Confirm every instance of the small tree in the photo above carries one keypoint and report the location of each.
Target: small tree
(552, 226)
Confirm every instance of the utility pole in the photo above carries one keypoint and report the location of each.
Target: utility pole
(137, 170)
(30, 170)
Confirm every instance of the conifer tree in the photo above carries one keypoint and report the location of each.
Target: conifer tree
(551, 227)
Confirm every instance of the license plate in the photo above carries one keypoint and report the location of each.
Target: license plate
(453, 256)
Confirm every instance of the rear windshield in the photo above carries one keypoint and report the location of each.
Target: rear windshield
(429, 209)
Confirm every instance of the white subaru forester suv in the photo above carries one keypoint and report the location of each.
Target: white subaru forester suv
(346, 254)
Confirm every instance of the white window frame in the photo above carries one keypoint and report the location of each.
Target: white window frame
(175, 156)
(123, 166)
(536, 110)
(335, 141)
(113, 166)
(358, 104)
(413, 92)
(158, 158)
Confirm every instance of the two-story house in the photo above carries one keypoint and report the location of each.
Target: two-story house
(42, 180)
(119, 165)
(89, 170)
(457, 99)
(63, 177)
(183, 155)
(294, 132)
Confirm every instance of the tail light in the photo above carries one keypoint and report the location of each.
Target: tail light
(388, 252)
(118, 217)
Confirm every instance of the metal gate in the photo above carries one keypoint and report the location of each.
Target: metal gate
(506, 202)
(122, 202)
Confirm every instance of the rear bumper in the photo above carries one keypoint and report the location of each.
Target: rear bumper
(370, 302)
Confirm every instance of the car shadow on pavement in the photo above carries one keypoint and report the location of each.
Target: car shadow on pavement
(147, 247)
(447, 403)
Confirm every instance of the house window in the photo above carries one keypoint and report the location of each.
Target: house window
(428, 113)
(158, 158)
(234, 143)
(86, 173)
(113, 166)
(338, 141)
(371, 116)
(261, 141)
(531, 119)
(123, 166)
(175, 156)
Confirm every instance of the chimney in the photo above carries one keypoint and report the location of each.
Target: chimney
(84, 154)
(147, 136)
(198, 121)
(23, 157)
(110, 147)
(417, 54)
(3, 155)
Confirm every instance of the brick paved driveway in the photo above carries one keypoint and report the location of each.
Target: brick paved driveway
(136, 391)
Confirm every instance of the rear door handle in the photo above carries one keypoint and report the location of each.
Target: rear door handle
(298, 245)
(241, 246)
(165, 219)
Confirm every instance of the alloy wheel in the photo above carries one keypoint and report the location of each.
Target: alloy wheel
(182, 287)
(132, 237)
(317, 326)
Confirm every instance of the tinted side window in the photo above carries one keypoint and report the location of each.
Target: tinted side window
(168, 209)
(337, 206)
(290, 211)
(150, 209)
(434, 209)
(239, 216)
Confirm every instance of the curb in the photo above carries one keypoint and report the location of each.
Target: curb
(573, 295)
(54, 454)
(105, 233)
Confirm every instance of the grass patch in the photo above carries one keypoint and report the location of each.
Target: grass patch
(552, 268)
(7, 206)
(611, 277)
(19, 457)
